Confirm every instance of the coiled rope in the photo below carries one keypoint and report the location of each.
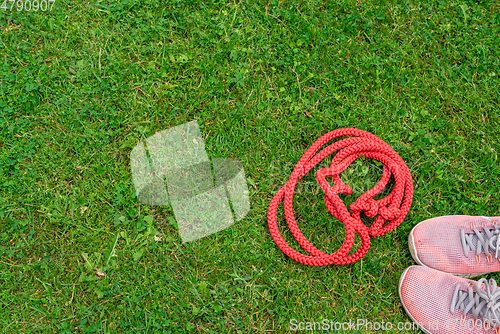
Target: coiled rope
(392, 208)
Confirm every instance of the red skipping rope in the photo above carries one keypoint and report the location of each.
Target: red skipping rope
(392, 208)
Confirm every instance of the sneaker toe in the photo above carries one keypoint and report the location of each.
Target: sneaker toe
(436, 243)
(426, 295)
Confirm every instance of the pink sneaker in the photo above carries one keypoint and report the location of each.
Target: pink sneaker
(460, 245)
(440, 303)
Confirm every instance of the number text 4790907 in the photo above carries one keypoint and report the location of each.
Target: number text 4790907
(28, 5)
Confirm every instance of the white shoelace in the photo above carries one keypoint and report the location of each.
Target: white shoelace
(486, 240)
(484, 303)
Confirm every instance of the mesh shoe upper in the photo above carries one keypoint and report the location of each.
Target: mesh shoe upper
(439, 243)
(429, 296)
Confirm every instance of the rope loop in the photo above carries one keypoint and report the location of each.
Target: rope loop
(393, 208)
(369, 207)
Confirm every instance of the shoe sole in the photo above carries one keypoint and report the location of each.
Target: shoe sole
(404, 306)
(413, 250)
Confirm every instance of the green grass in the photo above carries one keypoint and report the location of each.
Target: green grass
(81, 85)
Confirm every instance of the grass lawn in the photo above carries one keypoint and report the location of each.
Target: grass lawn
(84, 83)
